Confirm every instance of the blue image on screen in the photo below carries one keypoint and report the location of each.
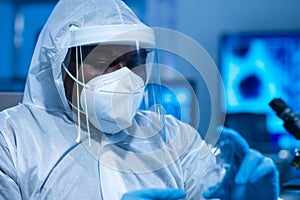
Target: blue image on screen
(256, 68)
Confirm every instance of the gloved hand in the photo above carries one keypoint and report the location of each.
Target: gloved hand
(155, 193)
(251, 175)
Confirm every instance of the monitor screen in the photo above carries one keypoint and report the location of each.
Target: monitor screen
(256, 68)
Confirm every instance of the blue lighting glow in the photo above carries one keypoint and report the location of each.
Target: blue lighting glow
(176, 100)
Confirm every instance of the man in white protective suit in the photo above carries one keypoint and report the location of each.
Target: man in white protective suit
(80, 132)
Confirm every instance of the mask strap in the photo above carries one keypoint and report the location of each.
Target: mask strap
(77, 91)
(84, 97)
(73, 78)
(75, 107)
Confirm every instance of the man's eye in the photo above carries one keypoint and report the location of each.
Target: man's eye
(134, 63)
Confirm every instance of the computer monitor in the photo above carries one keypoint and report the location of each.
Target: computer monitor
(256, 68)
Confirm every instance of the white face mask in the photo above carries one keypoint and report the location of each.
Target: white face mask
(112, 100)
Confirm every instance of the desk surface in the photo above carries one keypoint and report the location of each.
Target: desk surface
(9, 99)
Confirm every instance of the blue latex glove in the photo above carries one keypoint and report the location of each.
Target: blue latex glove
(155, 193)
(251, 175)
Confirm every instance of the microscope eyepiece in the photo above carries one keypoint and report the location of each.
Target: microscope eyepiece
(282, 109)
(291, 120)
(278, 105)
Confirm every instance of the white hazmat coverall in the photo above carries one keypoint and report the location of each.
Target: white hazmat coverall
(40, 157)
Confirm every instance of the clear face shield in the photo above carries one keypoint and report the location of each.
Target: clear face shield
(107, 85)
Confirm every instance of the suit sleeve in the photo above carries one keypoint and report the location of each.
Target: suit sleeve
(197, 164)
